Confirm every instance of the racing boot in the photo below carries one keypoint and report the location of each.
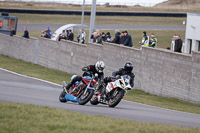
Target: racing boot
(68, 86)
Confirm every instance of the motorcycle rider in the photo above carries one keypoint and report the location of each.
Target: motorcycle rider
(90, 70)
(127, 70)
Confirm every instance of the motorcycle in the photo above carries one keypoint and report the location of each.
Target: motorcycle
(114, 92)
(80, 92)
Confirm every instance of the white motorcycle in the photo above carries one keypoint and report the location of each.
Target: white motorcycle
(114, 92)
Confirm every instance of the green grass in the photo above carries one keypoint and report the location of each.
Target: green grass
(118, 20)
(163, 36)
(170, 103)
(33, 70)
(57, 77)
(20, 118)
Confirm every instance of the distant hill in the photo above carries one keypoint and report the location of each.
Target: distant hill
(181, 4)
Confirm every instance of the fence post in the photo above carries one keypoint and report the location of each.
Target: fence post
(36, 52)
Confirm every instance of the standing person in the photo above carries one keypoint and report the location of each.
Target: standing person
(71, 35)
(145, 39)
(117, 37)
(178, 44)
(122, 38)
(108, 37)
(26, 33)
(81, 37)
(103, 37)
(98, 37)
(48, 32)
(63, 35)
(128, 39)
(153, 41)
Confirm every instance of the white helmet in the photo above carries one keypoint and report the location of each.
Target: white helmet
(100, 65)
(73, 77)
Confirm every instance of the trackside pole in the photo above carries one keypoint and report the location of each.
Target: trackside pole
(83, 11)
(92, 19)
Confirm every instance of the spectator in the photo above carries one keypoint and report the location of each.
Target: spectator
(26, 33)
(153, 41)
(108, 37)
(46, 33)
(128, 39)
(117, 37)
(98, 37)
(145, 39)
(70, 36)
(122, 38)
(63, 35)
(103, 36)
(178, 44)
(81, 37)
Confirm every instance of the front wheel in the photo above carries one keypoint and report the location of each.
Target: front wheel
(118, 95)
(62, 97)
(86, 98)
(94, 100)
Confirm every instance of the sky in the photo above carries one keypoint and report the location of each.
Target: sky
(112, 2)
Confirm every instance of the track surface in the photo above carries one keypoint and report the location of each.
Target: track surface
(20, 89)
(38, 27)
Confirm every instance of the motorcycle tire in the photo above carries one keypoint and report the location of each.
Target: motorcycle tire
(87, 99)
(118, 98)
(62, 97)
(94, 100)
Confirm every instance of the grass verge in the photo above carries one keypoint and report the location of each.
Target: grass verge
(57, 77)
(20, 118)
(117, 20)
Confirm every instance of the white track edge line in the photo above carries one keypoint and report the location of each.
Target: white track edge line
(30, 77)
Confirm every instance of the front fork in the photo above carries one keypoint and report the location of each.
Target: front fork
(88, 86)
(64, 88)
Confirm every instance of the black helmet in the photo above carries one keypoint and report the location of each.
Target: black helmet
(128, 66)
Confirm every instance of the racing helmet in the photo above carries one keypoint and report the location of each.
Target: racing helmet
(128, 66)
(73, 77)
(100, 65)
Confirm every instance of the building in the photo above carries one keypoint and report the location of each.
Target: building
(192, 36)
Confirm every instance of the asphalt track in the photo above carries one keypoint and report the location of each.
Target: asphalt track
(21, 89)
(38, 27)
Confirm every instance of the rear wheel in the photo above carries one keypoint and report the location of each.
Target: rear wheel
(86, 98)
(116, 98)
(62, 97)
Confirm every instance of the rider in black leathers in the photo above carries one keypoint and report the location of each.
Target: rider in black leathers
(127, 70)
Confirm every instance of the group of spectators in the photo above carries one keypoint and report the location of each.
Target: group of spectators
(66, 35)
(123, 38)
(147, 41)
(45, 33)
(120, 38)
